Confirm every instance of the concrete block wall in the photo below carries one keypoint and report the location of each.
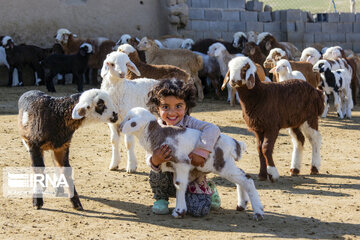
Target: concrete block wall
(222, 18)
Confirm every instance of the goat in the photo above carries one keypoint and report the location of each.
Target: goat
(48, 123)
(141, 123)
(268, 107)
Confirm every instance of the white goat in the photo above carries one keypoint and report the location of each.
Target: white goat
(311, 55)
(141, 123)
(125, 94)
(336, 82)
(223, 57)
(283, 68)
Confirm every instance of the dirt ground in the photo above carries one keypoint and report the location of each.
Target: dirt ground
(118, 205)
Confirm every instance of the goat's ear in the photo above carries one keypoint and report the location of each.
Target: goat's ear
(104, 69)
(131, 66)
(131, 125)
(268, 45)
(78, 112)
(273, 70)
(250, 82)
(226, 80)
(252, 51)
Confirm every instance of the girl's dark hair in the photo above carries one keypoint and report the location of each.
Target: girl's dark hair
(172, 87)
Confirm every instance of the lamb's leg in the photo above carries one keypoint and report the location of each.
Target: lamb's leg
(215, 85)
(243, 198)
(326, 109)
(115, 138)
(298, 140)
(130, 147)
(349, 103)
(199, 88)
(337, 104)
(50, 83)
(311, 132)
(238, 176)
(259, 141)
(62, 160)
(267, 150)
(181, 181)
(80, 81)
(11, 71)
(37, 159)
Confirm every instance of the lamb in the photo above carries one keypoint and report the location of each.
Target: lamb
(182, 58)
(20, 55)
(283, 68)
(141, 123)
(48, 123)
(239, 40)
(101, 47)
(269, 107)
(61, 63)
(276, 54)
(187, 44)
(175, 43)
(125, 94)
(252, 36)
(149, 70)
(267, 41)
(336, 82)
(3, 61)
(310, 55)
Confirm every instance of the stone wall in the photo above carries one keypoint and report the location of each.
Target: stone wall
(221, 19)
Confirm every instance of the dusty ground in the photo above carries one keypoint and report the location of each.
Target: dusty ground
(118, 205)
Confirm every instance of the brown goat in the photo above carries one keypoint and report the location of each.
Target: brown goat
(150, 70)
(253, 51)
(268, 107)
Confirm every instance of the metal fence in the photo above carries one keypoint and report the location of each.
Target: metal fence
(314, 6)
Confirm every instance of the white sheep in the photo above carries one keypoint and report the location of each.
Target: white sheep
(239, 40)
(311, 55)
(223, 57)
(141, 123)
(283, 68)
(125, 94)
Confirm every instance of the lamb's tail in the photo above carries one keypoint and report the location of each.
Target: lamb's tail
(238, 150)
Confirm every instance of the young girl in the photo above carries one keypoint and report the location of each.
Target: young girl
(172, 100)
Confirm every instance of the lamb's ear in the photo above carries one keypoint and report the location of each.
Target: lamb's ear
(131, 66)
(104, 69)
(252, 51)
(268, 45)
(78, 112)
(250, 82)
(288, 69)
(273, 70)
(131, 125)
(226, 80)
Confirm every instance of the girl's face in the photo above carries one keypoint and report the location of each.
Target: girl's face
(172, 110)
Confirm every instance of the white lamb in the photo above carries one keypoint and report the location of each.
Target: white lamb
(125, 95)
(310, 55)
(141, 123)
(283, 68)
(223, 57)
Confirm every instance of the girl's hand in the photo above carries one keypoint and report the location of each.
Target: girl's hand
(197, 160)
(161, 155)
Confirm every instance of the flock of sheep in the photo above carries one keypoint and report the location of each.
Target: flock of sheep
(274, 88)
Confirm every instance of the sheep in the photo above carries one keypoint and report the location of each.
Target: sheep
(336, 82)
(175, 43)
(252, 36)
(283, 68)
(3, 61)
(101, 47)
(334, 53)
(267, 41)
(182, 58)
(149, 70)
(239, 40)
(276, 54)
(142, 124)
(211, 71)
(204, 44)
(269, 107)
(48, 123)
(125, 94)
(61, 63)
(310, 55)
(19, 55)
(187, 44)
